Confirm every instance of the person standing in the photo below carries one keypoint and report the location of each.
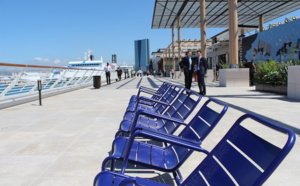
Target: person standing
(202, 66)
(195, 72)
(107, 70)
(186, 64)
(125, 73)
(172, 72)
(119, 72)
(252, 69)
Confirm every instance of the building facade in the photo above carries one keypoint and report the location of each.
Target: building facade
(142, 55)
(164, 58)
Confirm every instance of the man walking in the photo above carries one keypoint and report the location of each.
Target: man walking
(107, 70)
(202, 70)
(186, 64)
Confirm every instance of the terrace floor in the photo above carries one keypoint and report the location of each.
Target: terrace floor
(65, 141)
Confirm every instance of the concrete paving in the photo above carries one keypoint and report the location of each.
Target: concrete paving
(64, 141)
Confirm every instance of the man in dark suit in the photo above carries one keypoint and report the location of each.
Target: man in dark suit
(202, 65)
(186, 65)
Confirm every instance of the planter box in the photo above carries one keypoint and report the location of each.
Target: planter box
(294, 82)
(234, 77)
(270, 88)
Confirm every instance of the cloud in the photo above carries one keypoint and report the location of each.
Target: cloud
(48, 62)
(41, 59)
(56, 61)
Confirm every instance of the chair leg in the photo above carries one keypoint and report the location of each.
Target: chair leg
(112, 164)
(122, 133)
(178, 177)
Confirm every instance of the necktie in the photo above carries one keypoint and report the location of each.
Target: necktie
(199, 63)
(190, 67)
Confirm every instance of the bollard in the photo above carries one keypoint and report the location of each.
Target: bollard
(39, 84)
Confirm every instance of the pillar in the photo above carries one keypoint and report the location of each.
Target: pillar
(203, 28)
(233, 33)
(179, 38)
(169, 56)
(261, 23)
(173, 47)
(241, 37)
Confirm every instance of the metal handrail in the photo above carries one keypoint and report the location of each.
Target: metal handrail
(39, 66)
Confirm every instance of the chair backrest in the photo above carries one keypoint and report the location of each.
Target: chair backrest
(181, 109)
(243, 157)
(169, 97)
(199, 127)
(183, 104)
(162, 90)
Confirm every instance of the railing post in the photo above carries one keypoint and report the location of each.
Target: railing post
(13, 83)
(39, 85)
(60, 78)
(81, 78)
(72, 78)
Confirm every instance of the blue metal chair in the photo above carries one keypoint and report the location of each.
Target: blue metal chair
(242, 157)
(170, 157)
(180, 109)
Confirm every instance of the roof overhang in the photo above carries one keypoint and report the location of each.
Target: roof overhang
(166, 12)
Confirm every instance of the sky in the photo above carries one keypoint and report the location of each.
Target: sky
(53, 32)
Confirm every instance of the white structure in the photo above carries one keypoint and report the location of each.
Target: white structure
(293, 82)
(234, 77)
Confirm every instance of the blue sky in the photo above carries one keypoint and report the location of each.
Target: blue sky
(53, 32)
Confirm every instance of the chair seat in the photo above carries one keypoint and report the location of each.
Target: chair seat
(146, 153)
(114, 179)
(145, 122)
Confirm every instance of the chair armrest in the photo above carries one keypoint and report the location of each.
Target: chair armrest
(147, 131)
(152, 100)
(151, 134)
(147, 99)
(148, 91)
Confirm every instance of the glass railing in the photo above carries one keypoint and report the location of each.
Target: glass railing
(21, 80)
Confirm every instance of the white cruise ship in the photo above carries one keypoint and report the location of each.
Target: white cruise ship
(90, 63)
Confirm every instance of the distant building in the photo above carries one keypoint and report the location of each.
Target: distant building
(114, 58)
(142, 54)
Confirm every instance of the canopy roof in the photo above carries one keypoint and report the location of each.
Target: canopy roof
(166, 12)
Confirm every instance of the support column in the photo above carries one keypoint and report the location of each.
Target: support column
(173, 47)
(170, 62)
(241, 37)
(179, 38)
(203, 28)
(261, 23)
(233, 33)
(165, 60)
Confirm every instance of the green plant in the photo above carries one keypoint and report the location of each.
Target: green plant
(272, 72)
(224, 65)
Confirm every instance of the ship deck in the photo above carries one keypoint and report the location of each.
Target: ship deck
(65, 141)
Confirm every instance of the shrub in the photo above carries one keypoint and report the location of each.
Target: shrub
(272, 72)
